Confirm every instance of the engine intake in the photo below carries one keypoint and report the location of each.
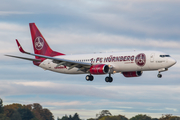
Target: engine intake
(99, 69)
(132, 74)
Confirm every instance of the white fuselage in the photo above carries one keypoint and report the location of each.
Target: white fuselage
(120, 61)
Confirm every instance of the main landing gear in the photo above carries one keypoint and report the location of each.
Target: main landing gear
(109, 78)
(89, 78)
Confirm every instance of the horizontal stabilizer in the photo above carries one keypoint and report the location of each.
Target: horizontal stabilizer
(36, 60)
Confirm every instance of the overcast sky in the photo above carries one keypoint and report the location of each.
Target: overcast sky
(88, 26)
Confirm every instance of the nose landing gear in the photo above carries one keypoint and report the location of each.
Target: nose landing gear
(159, 75)
(161, 70)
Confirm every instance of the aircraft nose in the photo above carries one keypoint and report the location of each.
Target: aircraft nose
(172, 61)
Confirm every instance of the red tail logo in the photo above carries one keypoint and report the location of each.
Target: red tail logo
(39, 43)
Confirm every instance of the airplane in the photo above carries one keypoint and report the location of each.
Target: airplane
(130, 64)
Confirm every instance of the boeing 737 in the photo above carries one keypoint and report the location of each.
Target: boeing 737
(130, 64)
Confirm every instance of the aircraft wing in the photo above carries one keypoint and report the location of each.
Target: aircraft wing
(36, 60)
(59, 61)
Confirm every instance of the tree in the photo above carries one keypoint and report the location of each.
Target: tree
(169, 117)
(40, 113)
(155, 119)
(1, 105)
(46, 115)
(103, 113)
(70, 117)
(91, 119)
(76, 117)
(10, 109)
(64, 118)
(25, 114)
(8, 112)
(119, 117)
(36, 109)
(4, 117)
(16, 116)
(141, 117)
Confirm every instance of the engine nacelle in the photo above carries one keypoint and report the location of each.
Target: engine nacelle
(132, 74)
(99, 69)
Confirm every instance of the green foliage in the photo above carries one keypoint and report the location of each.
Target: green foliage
(75, 117)
(25, 112)
(4, 117)
(103, 113)
(64, 118)
(1, 102)
(46, 115)
(34, 119)
(141, 117)
(16, 116)
(91, 119)
(119, 117)
(1, 106)
(169, 117)
(39, 112)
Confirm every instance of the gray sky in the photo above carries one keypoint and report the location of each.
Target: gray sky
(76, 27)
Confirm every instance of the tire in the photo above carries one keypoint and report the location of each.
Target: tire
(91, 78)
(87, 77)
(110, 79)
(107, 79)
(159, 76)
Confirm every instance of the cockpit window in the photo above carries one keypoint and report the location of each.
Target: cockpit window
(164, 55)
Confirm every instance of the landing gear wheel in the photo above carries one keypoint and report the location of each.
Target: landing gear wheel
(89, 77)
(108, 79)
(159, 75)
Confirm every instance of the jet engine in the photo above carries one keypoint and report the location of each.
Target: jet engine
(99, 69)
(132, 74)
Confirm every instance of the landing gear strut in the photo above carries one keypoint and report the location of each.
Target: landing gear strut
(109, 78)
(89, 77)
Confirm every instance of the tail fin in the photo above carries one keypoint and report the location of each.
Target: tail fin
(39, 43)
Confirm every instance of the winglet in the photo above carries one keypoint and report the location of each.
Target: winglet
(19, 46)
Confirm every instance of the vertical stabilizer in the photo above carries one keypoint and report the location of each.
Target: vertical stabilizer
(39, 43)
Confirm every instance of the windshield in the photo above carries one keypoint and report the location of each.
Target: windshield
(164, 55)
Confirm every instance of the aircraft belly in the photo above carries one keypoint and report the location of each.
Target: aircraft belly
(121, 67)
(48, 65)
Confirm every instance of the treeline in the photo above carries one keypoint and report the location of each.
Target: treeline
(36, 112)
(74, 117)
(106, 115)
(24, 112)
